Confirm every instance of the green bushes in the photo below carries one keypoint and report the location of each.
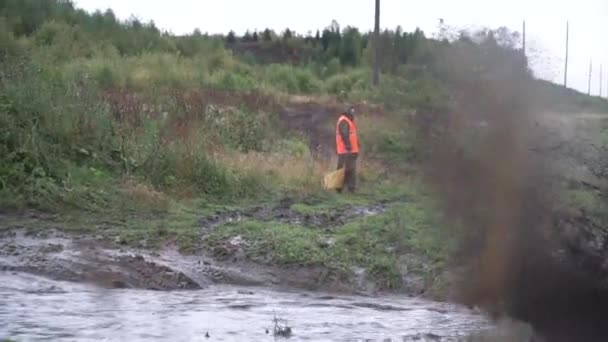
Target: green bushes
(178, 166)
(47, 127)
(244, 131)
(58, 34)
(55, 124)
(353, 80)
(229, 80)
(291, 79)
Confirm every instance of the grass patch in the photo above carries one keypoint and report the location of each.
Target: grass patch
(583, 199)
(371, 192)
(375, 243)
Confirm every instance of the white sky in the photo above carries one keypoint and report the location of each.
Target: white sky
(545, 22)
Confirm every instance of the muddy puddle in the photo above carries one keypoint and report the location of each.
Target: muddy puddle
(33, 308)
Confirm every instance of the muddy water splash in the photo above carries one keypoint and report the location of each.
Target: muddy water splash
(33, 308)
(495, 181)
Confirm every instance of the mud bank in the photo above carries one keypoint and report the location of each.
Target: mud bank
(60, 256)
(107, 262)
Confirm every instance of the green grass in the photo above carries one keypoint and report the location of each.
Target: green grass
(370, 192)
(584, 199)
(126, 221)
(375, 243)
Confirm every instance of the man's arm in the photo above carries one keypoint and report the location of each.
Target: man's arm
(345, 134)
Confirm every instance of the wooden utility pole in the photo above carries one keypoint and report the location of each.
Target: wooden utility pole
(566, 68)
(524, 39)
(601, 80)
(376, 47)
(590, 70)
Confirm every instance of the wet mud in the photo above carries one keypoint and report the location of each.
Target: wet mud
(283, 213)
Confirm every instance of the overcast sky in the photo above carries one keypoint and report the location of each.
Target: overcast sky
(546, 23)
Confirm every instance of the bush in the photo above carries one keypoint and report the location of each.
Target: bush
(243, 130)
(47, 125)
(398, 93)
(291, 79)
(62, 42)
(229, 80)
(10, 46)
(106, 77)
(293, 147)
(353, 80)
(333, 67)
(177, 166)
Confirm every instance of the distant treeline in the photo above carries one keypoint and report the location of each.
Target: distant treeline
(85, 33)
(349, 45)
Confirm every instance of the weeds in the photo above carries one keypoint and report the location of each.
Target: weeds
(375, 243)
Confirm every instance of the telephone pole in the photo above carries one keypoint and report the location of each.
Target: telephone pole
(376, 46)
(524, 39)
(601, 80)
(590, 70)
(566, 68)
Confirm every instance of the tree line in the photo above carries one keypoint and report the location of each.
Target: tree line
(350, 46)
(82, 34)
(55, 20)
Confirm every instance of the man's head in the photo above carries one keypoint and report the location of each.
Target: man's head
(350, 112)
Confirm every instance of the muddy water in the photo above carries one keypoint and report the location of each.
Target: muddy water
(35, 309)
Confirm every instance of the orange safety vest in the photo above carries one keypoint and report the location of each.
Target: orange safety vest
(354, 141)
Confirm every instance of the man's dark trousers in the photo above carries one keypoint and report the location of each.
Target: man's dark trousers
(348, 161)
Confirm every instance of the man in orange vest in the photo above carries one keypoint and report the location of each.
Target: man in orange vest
(347, 147)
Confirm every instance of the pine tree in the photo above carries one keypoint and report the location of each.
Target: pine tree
(231, 38)
(287, 34)
(247, 37)
(267, 35)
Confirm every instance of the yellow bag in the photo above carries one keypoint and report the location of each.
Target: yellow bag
(334, 180)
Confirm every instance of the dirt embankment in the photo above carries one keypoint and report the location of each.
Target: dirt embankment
(315, 120)
(87, 259)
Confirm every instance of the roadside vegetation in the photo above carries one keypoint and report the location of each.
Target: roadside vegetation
(125, 131)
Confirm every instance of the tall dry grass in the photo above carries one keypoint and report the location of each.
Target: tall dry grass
(302, 174)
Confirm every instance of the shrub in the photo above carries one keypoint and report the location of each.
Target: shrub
(62, 42)
(333, 68)
(293, 147)
(244, 130)
(106, 77)
(291, 79)
(178, 165)
(352, 80)
(231, 81)
(47, 125)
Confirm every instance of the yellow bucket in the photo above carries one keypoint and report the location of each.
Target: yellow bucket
(334, 180)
